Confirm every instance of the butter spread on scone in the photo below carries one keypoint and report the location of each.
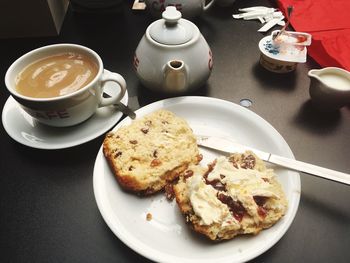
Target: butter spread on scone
(205, 203)
(151, 151)
(235, 195)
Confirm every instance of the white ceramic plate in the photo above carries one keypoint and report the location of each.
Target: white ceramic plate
(166, 238)
(25, 130)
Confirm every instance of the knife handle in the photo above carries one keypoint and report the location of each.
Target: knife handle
(310, 169)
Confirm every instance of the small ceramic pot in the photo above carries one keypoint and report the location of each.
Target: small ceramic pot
(275, 65)
(329, 87)
(283, 53)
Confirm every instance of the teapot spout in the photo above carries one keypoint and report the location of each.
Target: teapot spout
(175, 76)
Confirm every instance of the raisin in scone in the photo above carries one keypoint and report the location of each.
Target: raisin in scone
(151, 152)
(234, 195)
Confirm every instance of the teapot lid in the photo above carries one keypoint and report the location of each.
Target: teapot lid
(171, 30)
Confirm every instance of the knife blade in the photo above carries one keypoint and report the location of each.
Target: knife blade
(227, 145)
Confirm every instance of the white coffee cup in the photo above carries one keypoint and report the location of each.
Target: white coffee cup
(72, 108)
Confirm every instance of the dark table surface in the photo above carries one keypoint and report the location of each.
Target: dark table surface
(48, 210)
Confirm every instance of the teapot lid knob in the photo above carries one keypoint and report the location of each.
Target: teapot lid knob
(172, 29)
(171, 14)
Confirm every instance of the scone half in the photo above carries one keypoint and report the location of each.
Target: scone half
(234, 195)
(151, 152)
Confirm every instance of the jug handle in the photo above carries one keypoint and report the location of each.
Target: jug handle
(208, 5)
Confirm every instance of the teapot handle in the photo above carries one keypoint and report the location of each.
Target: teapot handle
(208, 5)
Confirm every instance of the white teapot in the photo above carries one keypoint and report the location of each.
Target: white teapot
(173, 56)
(188, 8)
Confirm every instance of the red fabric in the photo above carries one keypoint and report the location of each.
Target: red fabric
(328, 21)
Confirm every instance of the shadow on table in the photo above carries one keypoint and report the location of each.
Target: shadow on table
(315, 120)
(147, 96)
(270, 80)
(324, 210)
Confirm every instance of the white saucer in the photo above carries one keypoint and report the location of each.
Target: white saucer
(24, 129)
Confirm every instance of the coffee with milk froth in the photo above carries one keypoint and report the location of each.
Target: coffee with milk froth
(62, 85)
(56, 75)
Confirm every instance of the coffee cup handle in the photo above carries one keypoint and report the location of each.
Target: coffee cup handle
(115, 77)
(208, 5)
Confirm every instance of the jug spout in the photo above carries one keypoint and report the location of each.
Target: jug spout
(313, 73)
(175, 76)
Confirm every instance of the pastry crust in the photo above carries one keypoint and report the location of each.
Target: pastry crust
(151, 152)
(234, 195)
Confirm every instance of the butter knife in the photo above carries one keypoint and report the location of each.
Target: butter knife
(227, 145)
